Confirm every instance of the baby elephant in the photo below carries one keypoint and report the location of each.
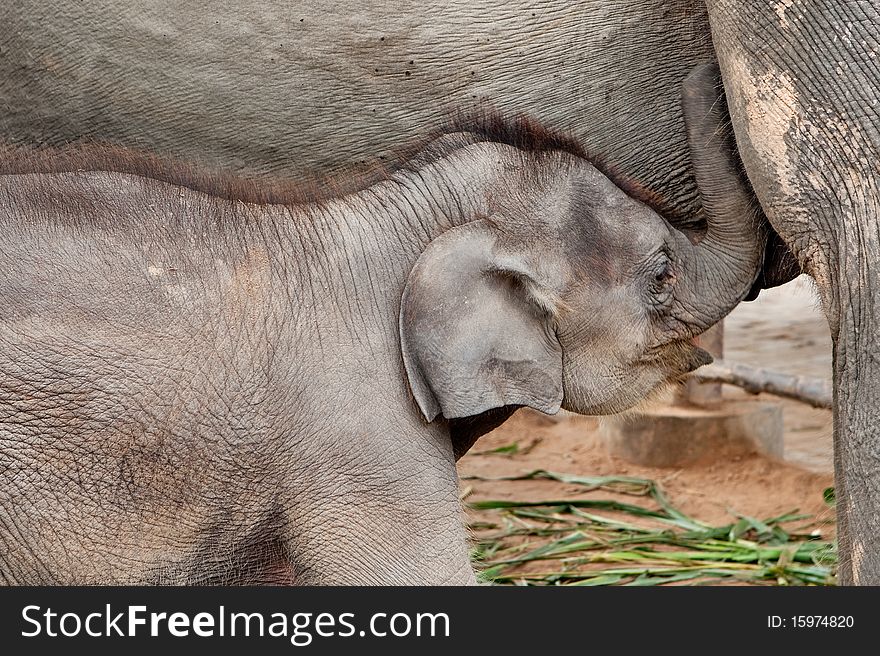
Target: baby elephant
(198, 389)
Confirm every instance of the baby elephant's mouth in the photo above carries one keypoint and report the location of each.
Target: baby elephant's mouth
(678, 358)
(683, 358)
(696, 358)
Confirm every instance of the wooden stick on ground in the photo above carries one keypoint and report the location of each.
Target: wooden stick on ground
(814, 391)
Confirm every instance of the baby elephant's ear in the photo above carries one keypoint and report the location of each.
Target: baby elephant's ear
(476, 330)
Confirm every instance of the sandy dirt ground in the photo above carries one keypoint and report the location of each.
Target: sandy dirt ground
(783, 330)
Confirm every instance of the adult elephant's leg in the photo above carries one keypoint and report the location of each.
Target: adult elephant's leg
(803, 85)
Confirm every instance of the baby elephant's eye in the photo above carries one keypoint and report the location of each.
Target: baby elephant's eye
(663, 280)
(664, 276)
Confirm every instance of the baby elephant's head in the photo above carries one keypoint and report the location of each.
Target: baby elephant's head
(576, 296)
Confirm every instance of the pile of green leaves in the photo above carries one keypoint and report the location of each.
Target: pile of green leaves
(609, 542)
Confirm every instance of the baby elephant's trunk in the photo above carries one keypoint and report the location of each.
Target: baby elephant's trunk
(718, 273)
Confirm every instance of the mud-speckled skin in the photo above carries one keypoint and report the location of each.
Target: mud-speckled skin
(803, 83)
(203, 390)
(318, 85)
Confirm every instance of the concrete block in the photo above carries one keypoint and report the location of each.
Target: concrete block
(673, 436)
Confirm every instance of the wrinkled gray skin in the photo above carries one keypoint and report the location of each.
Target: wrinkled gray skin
(318, 87)
(315, 86)
(195, 390)
(803, 79)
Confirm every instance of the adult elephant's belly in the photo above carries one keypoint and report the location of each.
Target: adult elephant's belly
(311, 87)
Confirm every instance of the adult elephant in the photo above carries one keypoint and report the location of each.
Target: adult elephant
(307, 87)
(803, 83)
